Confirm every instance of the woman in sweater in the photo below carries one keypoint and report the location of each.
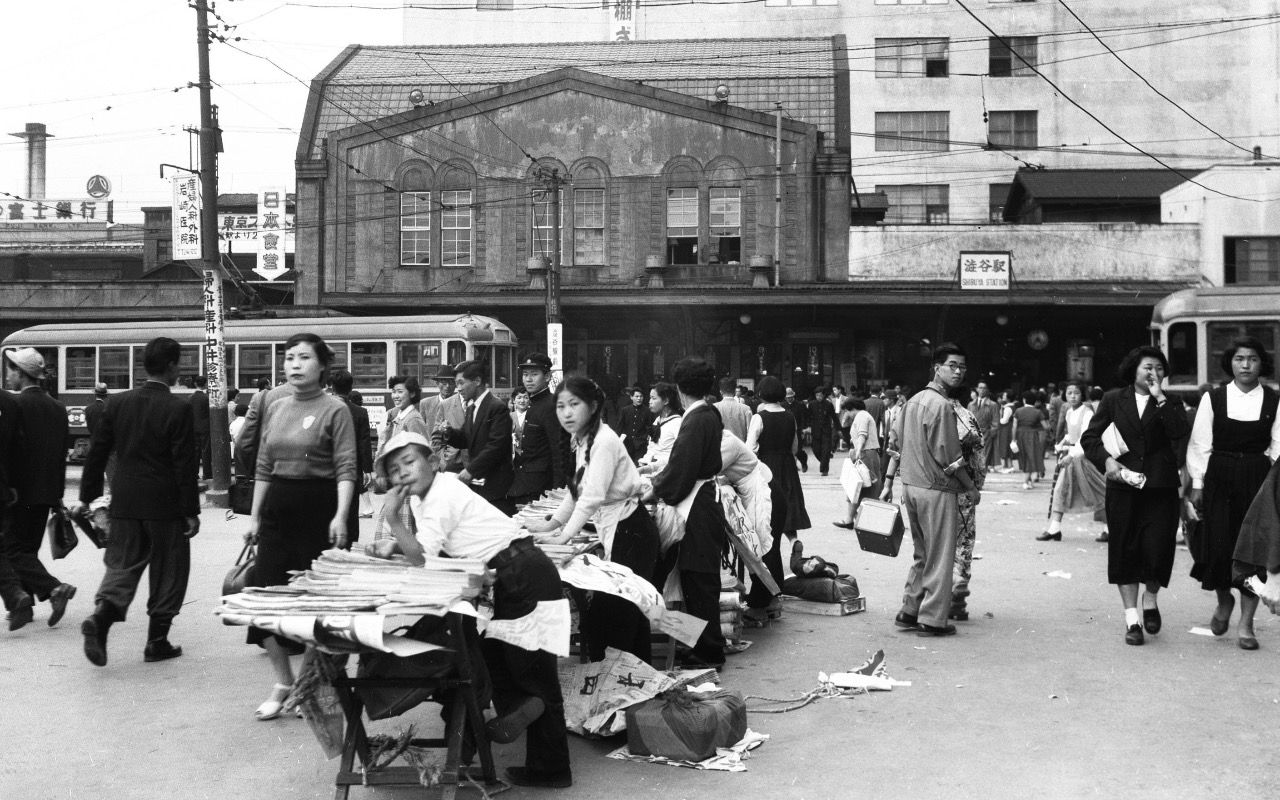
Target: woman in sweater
(604, 489)
(304, 486)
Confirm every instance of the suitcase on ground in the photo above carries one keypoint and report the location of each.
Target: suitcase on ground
(879, 527)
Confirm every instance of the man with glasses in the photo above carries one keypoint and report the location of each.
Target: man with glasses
(932, 479)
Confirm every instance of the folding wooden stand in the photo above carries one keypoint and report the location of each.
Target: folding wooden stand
(463, 715)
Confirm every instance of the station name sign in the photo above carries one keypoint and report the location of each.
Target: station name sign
(986, 271)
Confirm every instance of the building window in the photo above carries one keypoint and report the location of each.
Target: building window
(415, 228)
(495, 5)
(682, 226)
(1003, 59)
(913, 130)
(726, 225)
(1015, 129)
(912, 58)
(455, 229)
(164, 251)
(1253, 259)
(543, 231)
(999, 194)
(912, 2)
(801, 2)
(917, 204)
(588, 227)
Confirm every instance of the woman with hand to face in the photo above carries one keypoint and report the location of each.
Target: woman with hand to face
(604, 489)
(1235, 437)
(1130, 440)
(304, 486)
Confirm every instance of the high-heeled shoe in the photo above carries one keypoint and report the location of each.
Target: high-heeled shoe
(274, 704)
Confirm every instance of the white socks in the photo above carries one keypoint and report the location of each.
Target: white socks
(1131, 617)
(1055, 526)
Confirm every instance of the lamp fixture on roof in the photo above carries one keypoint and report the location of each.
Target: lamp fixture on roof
(417, 98)
(722, 93)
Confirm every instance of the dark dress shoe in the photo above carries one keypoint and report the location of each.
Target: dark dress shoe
(1103, 537)
(508, 727)
(1049, 537)
(959, 615)
(1134, 635)
(22, 613)
(907, 621)
(58, 602)
(95, 641)
(1219, 626)
(933, 630)
(1151, 620)
(848, 526)
(1247, 643)
(160, 650)
(523, 776)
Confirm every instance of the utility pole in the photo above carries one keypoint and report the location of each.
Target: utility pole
(777, 197)
(555, 329)
(214, 354)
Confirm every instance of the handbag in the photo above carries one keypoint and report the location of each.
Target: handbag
(238, 575)
(61, 532)
(241, 495)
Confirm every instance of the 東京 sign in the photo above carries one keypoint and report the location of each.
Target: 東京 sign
(986, 271)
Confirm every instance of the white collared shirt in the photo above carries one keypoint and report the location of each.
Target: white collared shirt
(1241, 406)
(460, 523)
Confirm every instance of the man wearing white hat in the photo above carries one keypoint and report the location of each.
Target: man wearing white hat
(40, 480)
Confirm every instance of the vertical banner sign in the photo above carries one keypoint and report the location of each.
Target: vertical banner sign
(555, 351)
(213, 340)
(271, 234)
(186, 218)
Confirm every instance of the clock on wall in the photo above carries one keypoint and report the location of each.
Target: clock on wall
(1038, 339)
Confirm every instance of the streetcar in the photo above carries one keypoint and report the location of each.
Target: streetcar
(1194, 326)
(373, 349)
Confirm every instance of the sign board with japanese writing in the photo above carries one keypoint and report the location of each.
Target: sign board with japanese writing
(271, 234)
(986, 271)
(186, 218)
(16, 209)
(623, 20)
(238, 233)
(555, 349)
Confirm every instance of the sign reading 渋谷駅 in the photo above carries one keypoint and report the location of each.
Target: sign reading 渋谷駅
(989, 271)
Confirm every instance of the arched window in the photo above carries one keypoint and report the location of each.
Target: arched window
(682, 176)
(589, 213)
(457, 220)
(415, 215)
(726, 178)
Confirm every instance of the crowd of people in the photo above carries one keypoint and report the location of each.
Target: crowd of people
(454, 466)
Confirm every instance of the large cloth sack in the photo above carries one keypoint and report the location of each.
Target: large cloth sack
(822, 590)
(686, 726)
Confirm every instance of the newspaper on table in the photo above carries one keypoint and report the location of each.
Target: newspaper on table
(544, 628)
(597, 575)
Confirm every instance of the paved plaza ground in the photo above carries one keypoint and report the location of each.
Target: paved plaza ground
(1038, 696)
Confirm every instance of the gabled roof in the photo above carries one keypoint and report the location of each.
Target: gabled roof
(367, 83)
(1096, 184)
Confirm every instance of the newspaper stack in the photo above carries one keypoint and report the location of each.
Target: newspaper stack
(542, 507)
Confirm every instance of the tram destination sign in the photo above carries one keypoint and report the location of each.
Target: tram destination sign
(986, 271)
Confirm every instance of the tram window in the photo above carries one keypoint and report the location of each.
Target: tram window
(420, 360)
(484, 353)
(457, 353)
(502, 367)
(189, 365)
(81, 367)
(113, 367)
(369, 364)
(255, 364)
(340, 359)
(1182, 353)
(1221, 334)
(229, 364)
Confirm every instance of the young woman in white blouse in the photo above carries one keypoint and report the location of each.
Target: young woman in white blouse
(664, 402)
(1077, 486)
(605, 490)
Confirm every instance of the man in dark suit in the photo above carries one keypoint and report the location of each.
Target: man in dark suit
(801, 414)
(155, 503)
(695, 457)
(544, 451)
(39, 476)
(634, 424)
(200, 405)
(15, 597)
(93, 411)
(342, 383)
(485, 435)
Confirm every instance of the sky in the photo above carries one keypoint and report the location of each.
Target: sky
(101, 76)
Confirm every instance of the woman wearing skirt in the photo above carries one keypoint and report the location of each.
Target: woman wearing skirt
(1235, 437)
(1029, 424)
(1077, 486)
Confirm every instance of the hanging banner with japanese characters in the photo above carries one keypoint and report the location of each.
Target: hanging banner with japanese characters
(186, 218)
(987, 271)
(19, 209)
(271, 234)
(622, 20)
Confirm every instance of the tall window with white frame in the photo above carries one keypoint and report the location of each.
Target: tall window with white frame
(913, 130)
(542, 229)
(726, 224)
(913, 58)
(1013, 129)
(682, 225)
(588, 227)
(455, 228)
(415, 228)
(1012, 56)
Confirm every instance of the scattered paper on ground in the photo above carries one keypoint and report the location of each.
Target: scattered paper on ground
(1198, 631)
(1006, 502)
(1057, 573)
(726, 759)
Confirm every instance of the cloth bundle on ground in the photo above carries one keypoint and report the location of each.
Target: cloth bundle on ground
(685, 725)
(817, 579)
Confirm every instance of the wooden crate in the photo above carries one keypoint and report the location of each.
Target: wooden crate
(795, 604)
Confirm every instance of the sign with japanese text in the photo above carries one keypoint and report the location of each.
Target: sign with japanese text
(555, 350)
(214, 355)
(271, 234)
(186, 218)
(13, 209)
(987, 271)
(238, 233)
(622, 20)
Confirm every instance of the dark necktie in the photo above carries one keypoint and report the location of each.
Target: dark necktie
(471, 415)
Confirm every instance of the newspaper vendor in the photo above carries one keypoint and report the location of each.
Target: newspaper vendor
(453, 520)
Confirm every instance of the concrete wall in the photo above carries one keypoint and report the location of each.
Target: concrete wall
(1049, 252)
(1233, 200)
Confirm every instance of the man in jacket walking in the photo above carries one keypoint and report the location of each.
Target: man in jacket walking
(155, 503)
